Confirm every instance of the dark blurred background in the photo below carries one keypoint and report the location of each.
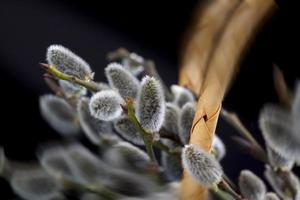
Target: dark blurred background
(154, 29)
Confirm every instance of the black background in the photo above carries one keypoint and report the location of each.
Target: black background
(153, 29)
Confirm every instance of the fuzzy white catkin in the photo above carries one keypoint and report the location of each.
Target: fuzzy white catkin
(171, 164)
(103, 86)
(277, 128)
(296, 109)
(286, 185)
(171, 118)
(271, 196)
(33, 184)
(55, 161)
(126, 156)
(68, 62)
(150, 104)
(70, 89)
(106, 105)
(219, 147)
(133, 63)
(202, 166)
(185, 121)
(136, 57)
(129, 183)
(122, 80)
(88, 168)
(135, 70)
(95, 129)
(251, 186)
(276, 160)
(59, 114)
(128, 131)
(182, 95)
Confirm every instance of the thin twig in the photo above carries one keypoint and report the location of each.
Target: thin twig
(88, 84)
(54, 87)
(220, 194)
(249, 148)
(175, 151)
(148, 138)
(281, 87)
(233, 119)
(223, 185)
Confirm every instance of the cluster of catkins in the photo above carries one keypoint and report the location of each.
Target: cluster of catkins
(125, 120)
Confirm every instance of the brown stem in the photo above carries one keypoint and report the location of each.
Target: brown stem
(250, 149)
(256, 150)
(281, 87)
(54, 87)
(55, 74)
(223, 185)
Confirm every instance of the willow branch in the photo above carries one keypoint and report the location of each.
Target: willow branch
(226, 187)
(52, 72)
(148, 138)
(281, 87)
(256, 149)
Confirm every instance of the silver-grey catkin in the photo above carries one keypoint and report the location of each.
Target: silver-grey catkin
(67, 62)
(271, 196)
(55, 161)
(277, 161)
(171, 118)
(88, 168)
(128, 131)
(276, 125)
(129, 183)
(202, 166)
(103, 86)
(285, 184)
(70, 89)
(124, 155)
(295, 111)
(135, 70)
(150, 105)
(251, 186)
(95, 129)
(185, 121)
(182, 95)
(171, 163)
(59, 114)
(122, 80)
(219, 148)
(106, 105)
(134, 63)
(33, 184)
